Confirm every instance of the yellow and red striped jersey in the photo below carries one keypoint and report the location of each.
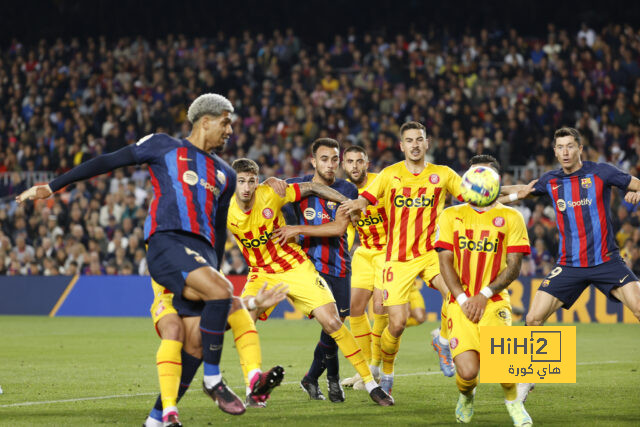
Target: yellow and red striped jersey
(480, 242)
(253, 231)
(372, 226)
(412, 204)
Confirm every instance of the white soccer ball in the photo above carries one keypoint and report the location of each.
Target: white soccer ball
(480, 186)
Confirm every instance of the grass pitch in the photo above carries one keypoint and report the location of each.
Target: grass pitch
(101, 371)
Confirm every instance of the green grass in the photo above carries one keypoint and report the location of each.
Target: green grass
(56, 359)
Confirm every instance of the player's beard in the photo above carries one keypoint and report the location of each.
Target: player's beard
(358, 181)
(327, 178)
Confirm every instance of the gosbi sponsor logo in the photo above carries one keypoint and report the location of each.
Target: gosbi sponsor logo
(401, 201)
(370, 220)
(483, 245)
(258, 241)
(563, 205)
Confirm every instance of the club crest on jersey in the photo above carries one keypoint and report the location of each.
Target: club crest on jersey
(453, 343)
(267, 213)
(434, 178)
(545, 283)
(331, 205)
(586, 182)
(498, 221)
(190, 177)
(309, 214)
(220, 177)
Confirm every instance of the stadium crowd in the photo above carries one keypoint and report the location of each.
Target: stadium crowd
(490, 92)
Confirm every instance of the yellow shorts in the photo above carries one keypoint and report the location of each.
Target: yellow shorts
(366, 268)
(162, 302)
(415, 297)
(398, 277)
(307, 290)
(464, 334)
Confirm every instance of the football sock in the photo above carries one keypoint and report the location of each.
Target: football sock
(444, 331)
(330, 348)
(411, 321)
(361, 330)
(389, 346)
(190, 365)
(169, 367)
(466, 386)
(380, 321)
(350, 350)
(247, 342)
(317, 366)
(212, 326)
(510, 391)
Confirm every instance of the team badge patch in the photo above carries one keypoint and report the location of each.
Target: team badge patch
(498, 221)
(220, 177)
(434, 178)
(453, 343)
(586, 182)
(267, 213)
(562, 205)
(545, 283)
(503, 313)
(331, 205)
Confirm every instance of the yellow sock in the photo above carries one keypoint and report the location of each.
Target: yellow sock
(361, 330)
(466, 387)
(350, 350)
(411, 321)
(247, 341)
(389, 346)
(510, 391)
(169, 363)
(380, 321)
(444, 329)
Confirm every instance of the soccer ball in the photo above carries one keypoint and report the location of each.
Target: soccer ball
(480, 186)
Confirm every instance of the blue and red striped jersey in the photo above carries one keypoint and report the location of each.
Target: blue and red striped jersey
(330, 255)
(190, 186)
(582, 204)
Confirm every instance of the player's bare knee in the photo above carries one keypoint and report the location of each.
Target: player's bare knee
(465, 372)
(396, 327)
(420, 316)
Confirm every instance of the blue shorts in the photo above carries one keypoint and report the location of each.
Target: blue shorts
(567, 283)
(341, 290)
(171, 256)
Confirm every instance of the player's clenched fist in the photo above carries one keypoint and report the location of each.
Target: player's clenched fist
(35, 192)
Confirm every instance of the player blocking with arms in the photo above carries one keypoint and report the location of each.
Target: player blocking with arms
(480, 252)
(587, 251)
(183, 230)
(414, 193)
(254, 219)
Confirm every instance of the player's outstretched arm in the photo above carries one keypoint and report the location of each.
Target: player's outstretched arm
(512, 193)
(266, 298)
(633, 195)
(356, 206)
(278, 185)
(94, 167)
(322, 191)
(330, 229)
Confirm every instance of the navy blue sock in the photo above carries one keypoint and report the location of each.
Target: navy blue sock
(331, 360)
(190, 365)
(212, 326)
(317, 366)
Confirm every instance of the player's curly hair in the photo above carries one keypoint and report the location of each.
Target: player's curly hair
(208, 103)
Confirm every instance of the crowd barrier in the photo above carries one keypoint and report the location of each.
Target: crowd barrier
(132, 296)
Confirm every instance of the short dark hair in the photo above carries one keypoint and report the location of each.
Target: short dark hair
(412, 125)
(324, 142)
(245, 165)
(485, 158)
(355, 149)
(567, 131)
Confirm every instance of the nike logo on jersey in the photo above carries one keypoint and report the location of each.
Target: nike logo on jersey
(622, 280)
(184, 159)
(555, 187)
(343, 310)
